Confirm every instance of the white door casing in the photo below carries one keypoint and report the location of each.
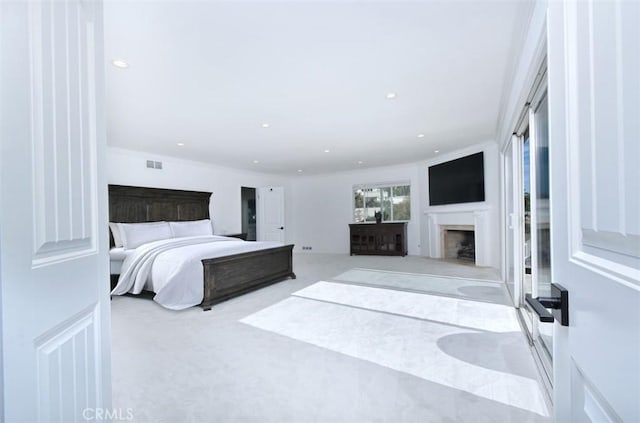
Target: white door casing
(270, 208)
(53, 243)
(594, 108)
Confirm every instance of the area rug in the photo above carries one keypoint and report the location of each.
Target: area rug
(478, 290)
(455, 342)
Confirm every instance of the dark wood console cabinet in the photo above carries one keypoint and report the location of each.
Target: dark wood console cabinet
(384, 239)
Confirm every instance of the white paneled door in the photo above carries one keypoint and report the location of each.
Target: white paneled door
(594, 130)
(53, 236)
(271, 214)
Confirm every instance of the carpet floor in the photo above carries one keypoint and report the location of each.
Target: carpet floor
(352, 339)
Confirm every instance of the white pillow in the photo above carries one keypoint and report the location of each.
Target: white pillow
(191, 228)
(136, 234)
(115, 231)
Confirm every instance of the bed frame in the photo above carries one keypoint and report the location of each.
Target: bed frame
(224, 277)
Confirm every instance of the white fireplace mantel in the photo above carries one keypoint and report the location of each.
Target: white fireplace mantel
(463, 215)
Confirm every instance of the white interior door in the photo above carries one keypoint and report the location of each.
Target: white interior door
(53, 242)
(271, 214)
(594, 107)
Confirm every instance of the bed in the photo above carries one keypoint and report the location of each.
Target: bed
(244, 267)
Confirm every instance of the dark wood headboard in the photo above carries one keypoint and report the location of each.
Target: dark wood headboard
(139, 204)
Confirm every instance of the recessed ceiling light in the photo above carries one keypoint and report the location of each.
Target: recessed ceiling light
(327, 151)
(265, 125)
(360, 162)
(118, 63)
(256, 161)
(180, 144)
(299, 170)
(420, 135)
(436, 151)
(391, 96)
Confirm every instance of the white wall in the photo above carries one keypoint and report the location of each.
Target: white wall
(319, 208)
(530, 58)
(126, 167)
(322, 207)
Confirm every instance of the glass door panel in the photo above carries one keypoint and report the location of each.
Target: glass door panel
(532, 239)
(527, 284)
(541, 259)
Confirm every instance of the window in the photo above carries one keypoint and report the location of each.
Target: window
(393, 201)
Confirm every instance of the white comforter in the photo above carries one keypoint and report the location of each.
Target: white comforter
(172, 268)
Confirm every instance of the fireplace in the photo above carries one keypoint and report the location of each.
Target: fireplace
(459, 243)
(479, 219)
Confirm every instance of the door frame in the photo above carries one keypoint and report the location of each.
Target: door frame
(537, 90)
(542, 355)
(242, 217)
(1, 326)
(1, 286)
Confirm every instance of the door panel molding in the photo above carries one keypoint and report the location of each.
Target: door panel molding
(615, 272)
(68, 382)
(586, 397)
(604, 178)
(612, 241)
(62, 117)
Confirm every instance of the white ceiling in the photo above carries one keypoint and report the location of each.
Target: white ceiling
(208, 74)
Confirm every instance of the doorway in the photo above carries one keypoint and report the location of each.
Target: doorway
(249, 212)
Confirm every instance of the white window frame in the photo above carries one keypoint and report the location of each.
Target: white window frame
(379, 185)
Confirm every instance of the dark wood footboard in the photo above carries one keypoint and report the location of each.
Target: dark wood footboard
(230, 276)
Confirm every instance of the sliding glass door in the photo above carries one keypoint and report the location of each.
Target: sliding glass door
(527, 206)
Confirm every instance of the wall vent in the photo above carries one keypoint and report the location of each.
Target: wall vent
(151, 164)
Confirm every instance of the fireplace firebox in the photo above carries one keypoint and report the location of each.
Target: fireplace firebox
(458, 243)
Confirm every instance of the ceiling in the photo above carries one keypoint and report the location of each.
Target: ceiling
(210, 74)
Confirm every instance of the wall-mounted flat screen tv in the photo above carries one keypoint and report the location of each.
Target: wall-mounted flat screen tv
(458, 181)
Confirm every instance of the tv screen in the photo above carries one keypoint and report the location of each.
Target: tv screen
(457, 181)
